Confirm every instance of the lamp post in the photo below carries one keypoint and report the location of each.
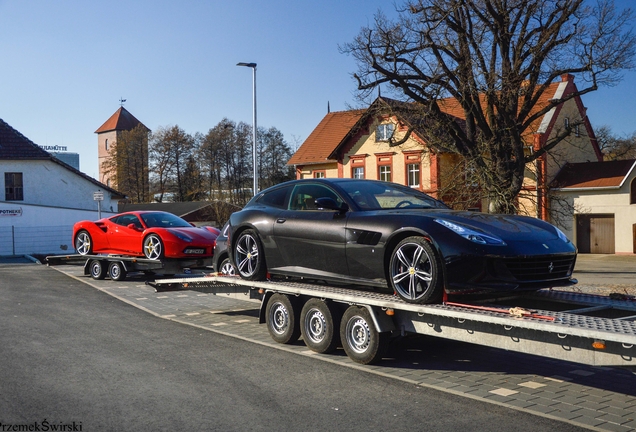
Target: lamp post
(253, 66)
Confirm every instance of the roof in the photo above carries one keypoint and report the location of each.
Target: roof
(333, 128)
(594, 175)
(322, 144)
(122, 120)
(15, 146)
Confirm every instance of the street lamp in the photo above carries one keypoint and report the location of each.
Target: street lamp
(253, 66)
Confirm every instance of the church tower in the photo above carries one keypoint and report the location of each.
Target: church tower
(107, 135)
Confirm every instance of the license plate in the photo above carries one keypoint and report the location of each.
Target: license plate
(195, 251)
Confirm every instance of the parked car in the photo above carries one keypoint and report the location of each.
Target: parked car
(222, 264)
(151, 234)
(381, 234)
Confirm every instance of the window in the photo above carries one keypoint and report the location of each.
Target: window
(413, 175)
(566, 122)
(106, 144)
(384, 162)
(276, 198)
(384, 173)
(577, 130)
(319, 174)
(357, 163)
(304, 196)
(632, 192)
(384, 132)
(13, 187)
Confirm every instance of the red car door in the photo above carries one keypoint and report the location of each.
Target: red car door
(125, 237)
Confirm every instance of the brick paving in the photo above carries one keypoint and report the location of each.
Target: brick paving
(596, 398)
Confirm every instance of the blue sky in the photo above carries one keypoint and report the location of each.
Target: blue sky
(65, 65)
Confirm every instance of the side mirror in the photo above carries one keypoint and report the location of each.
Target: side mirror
(132, 226)
(331, 204)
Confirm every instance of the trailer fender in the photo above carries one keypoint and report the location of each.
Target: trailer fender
(383, 322)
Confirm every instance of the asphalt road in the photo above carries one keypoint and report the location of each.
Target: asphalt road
(73, 354)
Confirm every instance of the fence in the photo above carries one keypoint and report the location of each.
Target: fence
(36, 240)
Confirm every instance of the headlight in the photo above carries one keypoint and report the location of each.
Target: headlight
(472, 235)
(180, 235)
(562, 235)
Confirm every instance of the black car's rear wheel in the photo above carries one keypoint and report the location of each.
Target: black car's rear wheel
(226, 268)
(249, 257)
(83, 243)
(415, 271)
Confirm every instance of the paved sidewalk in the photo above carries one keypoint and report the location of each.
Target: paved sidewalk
(591, 397)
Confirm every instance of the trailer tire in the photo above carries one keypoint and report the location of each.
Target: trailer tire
(320, 325)
(96, 268)
(116, 271)
(360, 339)
(282, 318)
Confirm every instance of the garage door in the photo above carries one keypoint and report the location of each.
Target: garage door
(595, 233)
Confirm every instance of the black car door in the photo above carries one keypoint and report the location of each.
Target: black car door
(309, 237)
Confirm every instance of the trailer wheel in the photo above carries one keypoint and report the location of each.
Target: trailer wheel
(249, 256)
(83, 243)
(116, 271)
(97, 269)
(320, 326)
(415, 271)
(153, 247)
(282, 319)
(360, 339)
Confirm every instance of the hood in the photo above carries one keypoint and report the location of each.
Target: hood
(507, 227)
(200, 234)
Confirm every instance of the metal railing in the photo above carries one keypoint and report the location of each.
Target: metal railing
(36, 240)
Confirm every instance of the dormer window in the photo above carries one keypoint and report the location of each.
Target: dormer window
(384, 132)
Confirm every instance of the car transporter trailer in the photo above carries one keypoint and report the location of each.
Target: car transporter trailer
(117, 267)
(582, 328)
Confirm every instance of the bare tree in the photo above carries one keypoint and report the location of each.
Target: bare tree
(496, 59)
(615, 147)
(274, 152)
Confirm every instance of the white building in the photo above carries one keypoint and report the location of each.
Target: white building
(41, 198)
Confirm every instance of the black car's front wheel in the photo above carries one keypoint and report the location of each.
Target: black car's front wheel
(249, 258)
(415, 271)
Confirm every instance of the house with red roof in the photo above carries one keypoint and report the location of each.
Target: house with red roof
(41, 197)
(355, 144)
(602, 199)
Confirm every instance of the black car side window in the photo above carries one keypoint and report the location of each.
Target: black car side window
(304, 196)
(276, 198)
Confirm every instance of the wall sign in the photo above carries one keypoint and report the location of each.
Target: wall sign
(11, 212)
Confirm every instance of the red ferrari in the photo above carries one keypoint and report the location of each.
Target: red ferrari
(151, 234)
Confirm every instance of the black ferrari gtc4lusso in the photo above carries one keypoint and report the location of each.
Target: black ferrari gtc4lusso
(381, 234)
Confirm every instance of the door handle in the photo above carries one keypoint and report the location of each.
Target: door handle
(280, 220)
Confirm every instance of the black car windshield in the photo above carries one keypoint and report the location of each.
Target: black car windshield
(163, 220)
(375, 195)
